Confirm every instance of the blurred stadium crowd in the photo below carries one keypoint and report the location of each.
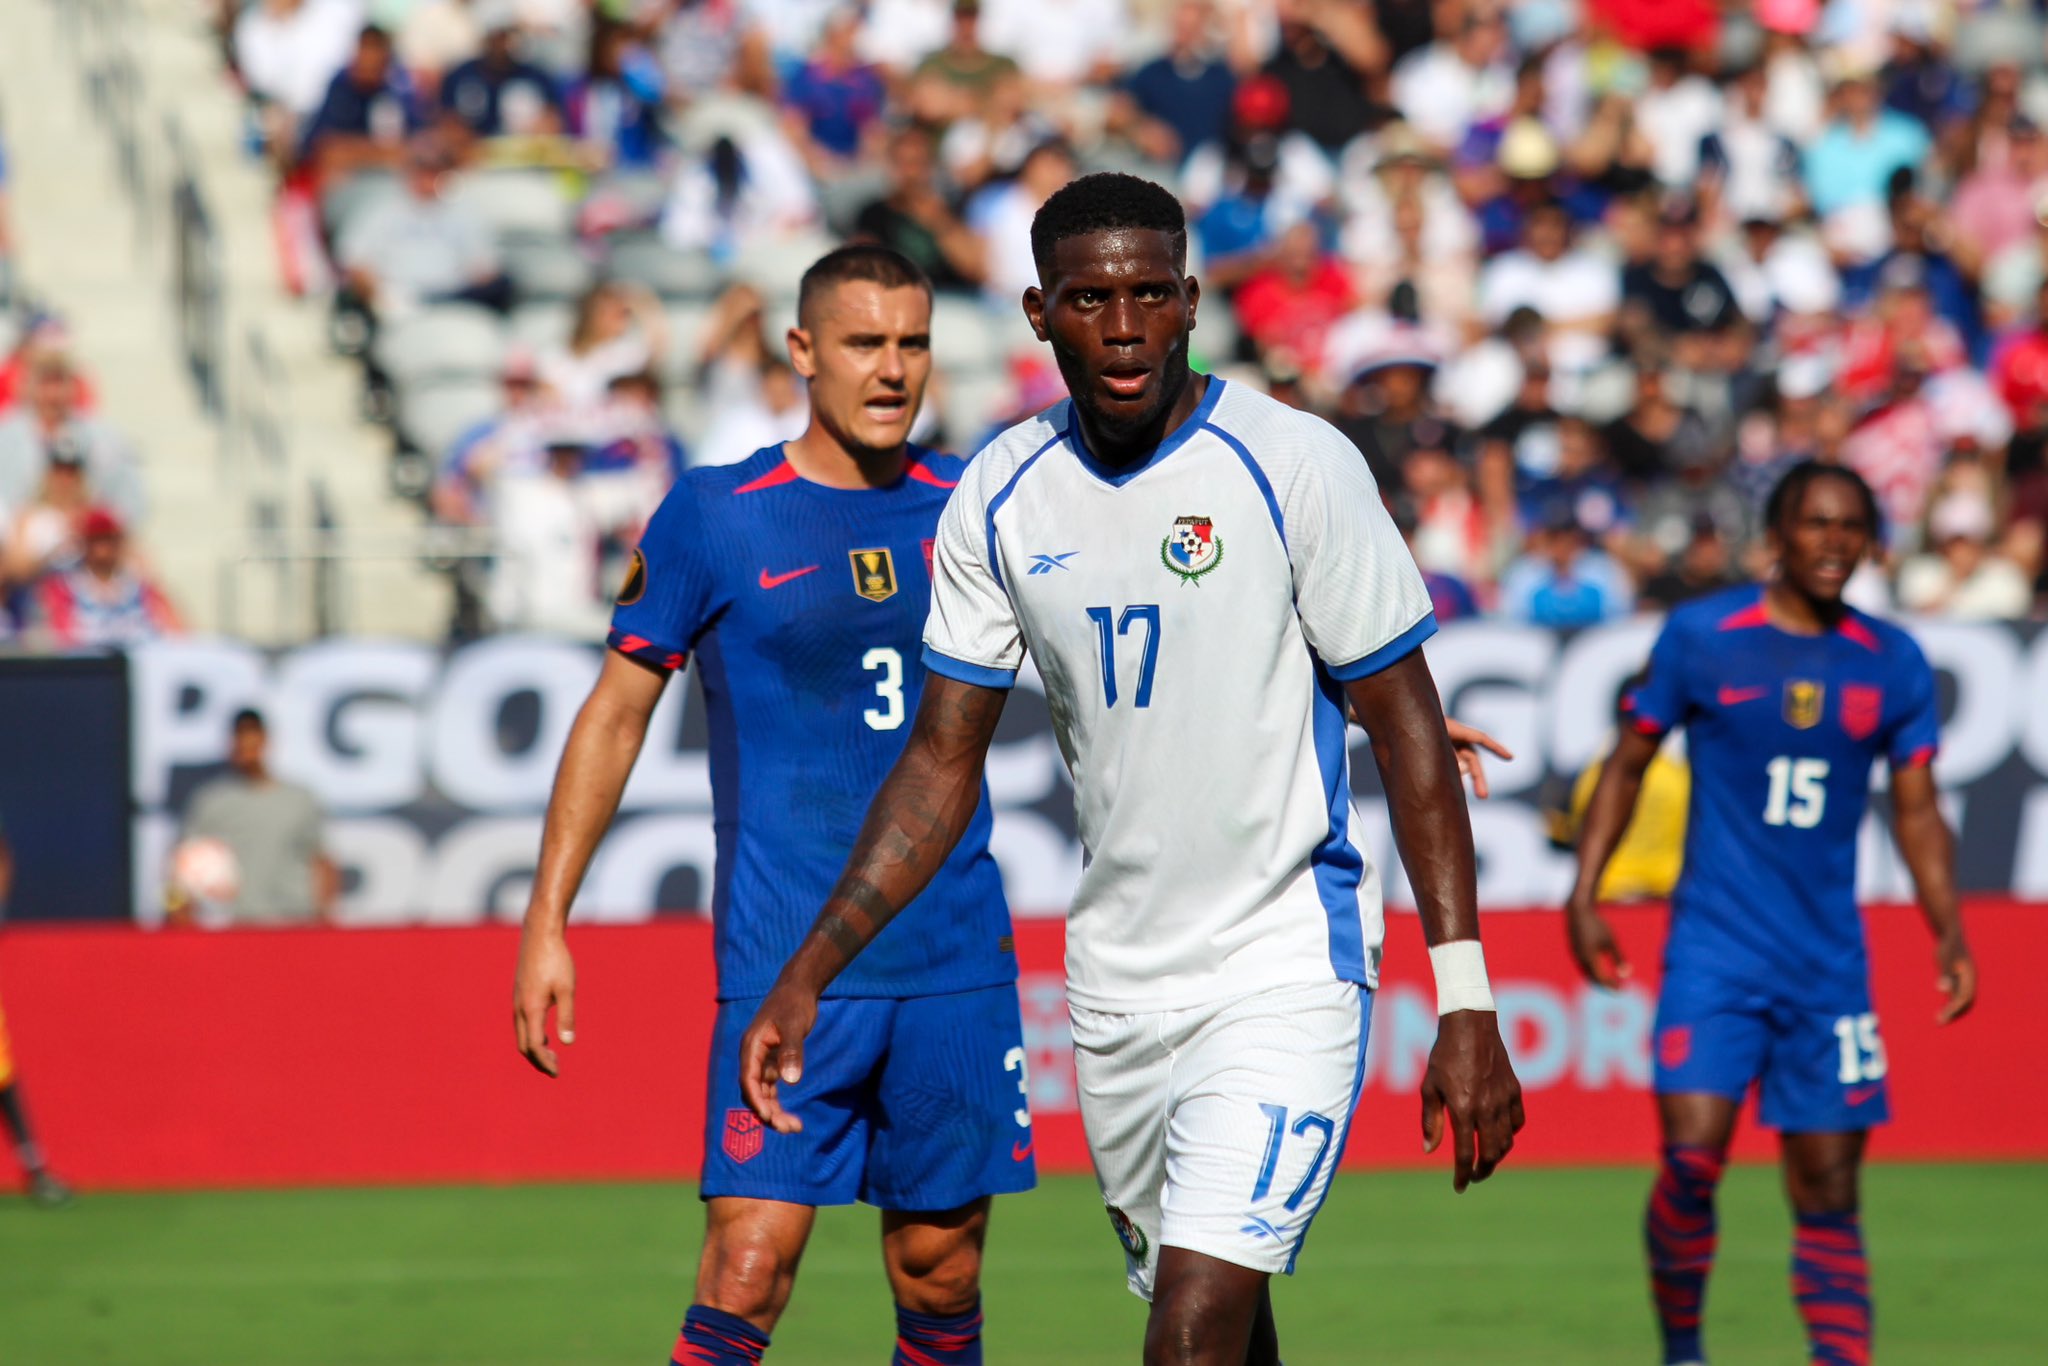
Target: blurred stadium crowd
(1579, 277)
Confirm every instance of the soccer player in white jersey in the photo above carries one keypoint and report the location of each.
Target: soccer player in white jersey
(1204, 577)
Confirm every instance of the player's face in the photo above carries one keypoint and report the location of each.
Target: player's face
(1117, 312)
(867, 353)
(1823, 539)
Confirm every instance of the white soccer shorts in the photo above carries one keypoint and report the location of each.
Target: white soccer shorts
(1218, 1128)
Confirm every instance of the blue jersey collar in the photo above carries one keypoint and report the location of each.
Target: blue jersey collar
(1118, 476)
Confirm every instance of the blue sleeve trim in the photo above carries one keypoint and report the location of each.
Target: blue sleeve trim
(1392, 652)
(1258, 477)
(960, 671)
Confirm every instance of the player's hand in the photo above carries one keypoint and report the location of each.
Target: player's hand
(1470, 1077)
(772, 1052)
(1958, 979)
(1467, 741)
(1594, 947)
(546, 977)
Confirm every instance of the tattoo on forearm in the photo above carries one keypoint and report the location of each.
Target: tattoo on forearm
(842, 935)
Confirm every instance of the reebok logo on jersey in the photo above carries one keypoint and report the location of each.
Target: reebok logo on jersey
(769, 580)
(1045, 564)
(1734, 697)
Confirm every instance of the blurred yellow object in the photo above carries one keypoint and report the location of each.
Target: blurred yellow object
(6, 1055)
(1646, 863)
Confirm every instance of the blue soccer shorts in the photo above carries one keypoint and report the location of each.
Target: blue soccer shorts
(914, 1104)
(1819, 1071)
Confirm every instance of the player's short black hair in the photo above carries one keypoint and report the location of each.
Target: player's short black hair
(1785, 497)
(247, 716)
(870, 261)
(1108, 201)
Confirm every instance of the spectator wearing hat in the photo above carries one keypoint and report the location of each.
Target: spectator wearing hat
(1180, 99)
(1299, 176)
(507, 440)
(957, 81)
(422, 247)
(39, 533)
(1918, 78)
(366, 117)
(105, 599)
(497, 93)
(1386, 409)
(1963, 575)
(1851, 163)
(1392, 168)
(1562, 580)
(46, 429)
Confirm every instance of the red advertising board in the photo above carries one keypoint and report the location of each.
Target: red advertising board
(252, 1058)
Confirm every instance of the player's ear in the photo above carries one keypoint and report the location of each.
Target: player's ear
(1034, 311)
(1194, 288)
(803, 357)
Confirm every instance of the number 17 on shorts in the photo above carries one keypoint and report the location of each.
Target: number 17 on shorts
(1218, 1128)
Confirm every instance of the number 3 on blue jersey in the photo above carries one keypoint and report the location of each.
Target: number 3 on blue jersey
(889, 688)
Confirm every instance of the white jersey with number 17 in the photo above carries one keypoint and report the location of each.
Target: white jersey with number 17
(1193, 618)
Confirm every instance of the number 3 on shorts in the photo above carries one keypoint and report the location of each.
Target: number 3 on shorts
(1862, 1049)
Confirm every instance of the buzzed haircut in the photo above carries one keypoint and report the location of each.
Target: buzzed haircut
(1108, 201)
(868, 261)
(248, 716)
(1785, 498)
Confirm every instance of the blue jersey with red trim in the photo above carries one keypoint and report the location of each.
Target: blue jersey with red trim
(1782, 731)
(804, 607)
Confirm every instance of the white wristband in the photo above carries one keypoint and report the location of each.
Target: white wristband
(1460, 968)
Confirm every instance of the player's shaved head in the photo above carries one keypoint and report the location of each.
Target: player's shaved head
(1107, 202)
(862, 261)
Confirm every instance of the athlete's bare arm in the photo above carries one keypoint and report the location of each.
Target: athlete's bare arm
(1930, 854)
(1469, 1075)
(598, 759)
(1607, 817)
(919, 814)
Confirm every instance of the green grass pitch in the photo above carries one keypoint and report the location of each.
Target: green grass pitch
(1539, 1266)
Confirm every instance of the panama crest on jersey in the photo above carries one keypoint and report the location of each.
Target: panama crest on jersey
(1129, 1234)
(1192, 548)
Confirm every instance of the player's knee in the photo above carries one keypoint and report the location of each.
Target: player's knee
(1190, 1311)
(744, 1274)
(941, 1279)
(1823, 1188)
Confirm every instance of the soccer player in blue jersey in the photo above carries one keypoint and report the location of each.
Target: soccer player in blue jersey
(798, 580)
(1787, 697)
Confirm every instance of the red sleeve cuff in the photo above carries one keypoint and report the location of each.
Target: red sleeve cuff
(645, 650)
